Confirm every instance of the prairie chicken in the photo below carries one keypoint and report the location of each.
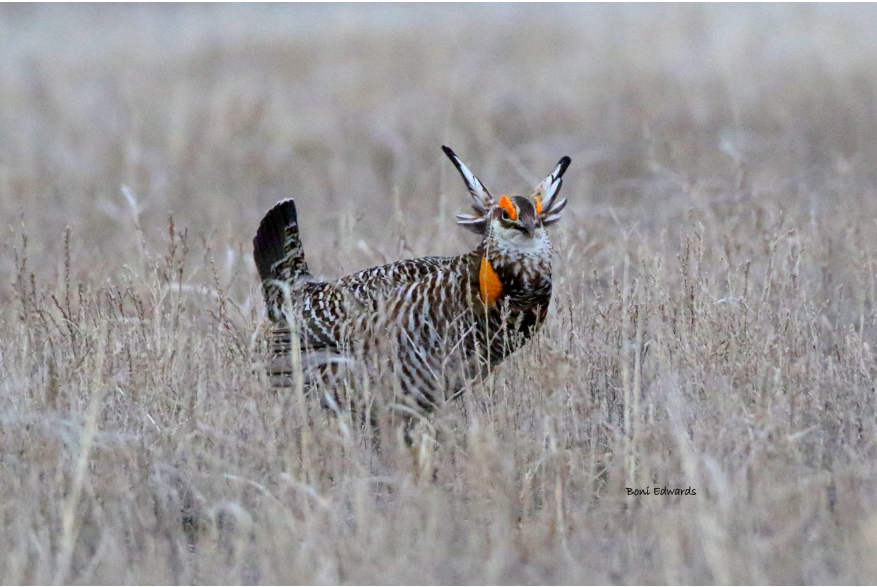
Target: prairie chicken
(438, 322)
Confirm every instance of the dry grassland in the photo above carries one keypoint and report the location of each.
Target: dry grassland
(713, 324)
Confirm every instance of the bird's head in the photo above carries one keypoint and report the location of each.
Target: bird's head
(517, 220)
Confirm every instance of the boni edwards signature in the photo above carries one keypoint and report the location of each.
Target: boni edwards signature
(657, 490)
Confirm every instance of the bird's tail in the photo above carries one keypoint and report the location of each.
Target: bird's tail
(279, 255)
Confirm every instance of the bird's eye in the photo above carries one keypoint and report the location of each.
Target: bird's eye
(505, 215)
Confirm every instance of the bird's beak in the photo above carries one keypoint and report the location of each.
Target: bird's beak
(529, 228)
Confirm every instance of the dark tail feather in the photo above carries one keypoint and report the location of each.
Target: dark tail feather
(278, 252)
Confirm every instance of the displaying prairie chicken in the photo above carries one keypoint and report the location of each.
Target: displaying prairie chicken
(438, 322)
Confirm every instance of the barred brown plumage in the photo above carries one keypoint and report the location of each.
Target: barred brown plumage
(441, 321)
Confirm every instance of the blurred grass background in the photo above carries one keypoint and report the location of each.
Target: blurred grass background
(712, 326)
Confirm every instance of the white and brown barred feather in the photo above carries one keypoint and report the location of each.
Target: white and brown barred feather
(445, 321)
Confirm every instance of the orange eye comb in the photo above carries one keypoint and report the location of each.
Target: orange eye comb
(538, 205)
(507, 205)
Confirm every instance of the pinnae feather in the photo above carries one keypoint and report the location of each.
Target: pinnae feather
(551, 194)
(549, 188)
(472, 224)
(479, 193)
(551, 220)
(556, 208)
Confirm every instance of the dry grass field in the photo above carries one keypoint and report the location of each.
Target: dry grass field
(713, 324)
